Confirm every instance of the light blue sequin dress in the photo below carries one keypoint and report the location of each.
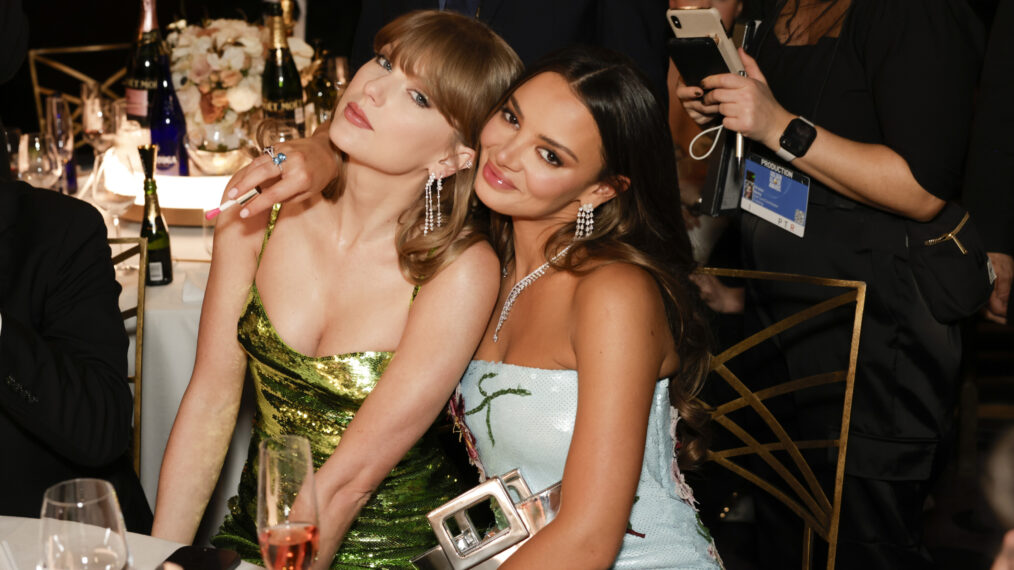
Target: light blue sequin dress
(520, 417)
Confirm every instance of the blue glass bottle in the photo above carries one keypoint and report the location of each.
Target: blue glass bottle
(168, 125)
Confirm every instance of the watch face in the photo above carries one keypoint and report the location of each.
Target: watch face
(798, 137)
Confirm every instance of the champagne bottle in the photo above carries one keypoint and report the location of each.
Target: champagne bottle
(141, 80)
(153, 226)
(281, 90)
(321, 95)
(168, 125)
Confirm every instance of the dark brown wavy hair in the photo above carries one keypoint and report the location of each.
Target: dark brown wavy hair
(464, 68)
(643, 224)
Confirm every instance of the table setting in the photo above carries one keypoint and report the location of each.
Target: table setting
(81, 528)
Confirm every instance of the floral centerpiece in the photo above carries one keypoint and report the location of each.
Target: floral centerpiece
(216, 69)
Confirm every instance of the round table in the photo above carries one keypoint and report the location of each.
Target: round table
(22, 535)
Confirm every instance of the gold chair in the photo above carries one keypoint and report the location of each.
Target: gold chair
(807, 498)
(138, 246)
(60, 76)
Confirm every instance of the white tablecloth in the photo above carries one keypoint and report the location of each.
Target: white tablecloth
(172, 314)
(22, 535)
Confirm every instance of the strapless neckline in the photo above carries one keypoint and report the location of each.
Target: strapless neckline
(255, 296)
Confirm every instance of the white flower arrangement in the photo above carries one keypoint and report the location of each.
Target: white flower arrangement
(216, 69)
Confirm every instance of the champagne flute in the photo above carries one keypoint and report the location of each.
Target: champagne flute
(60, 128)
(82, 527)
(286, 504)
(37, 165)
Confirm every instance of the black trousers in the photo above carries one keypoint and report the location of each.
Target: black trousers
(906, 378)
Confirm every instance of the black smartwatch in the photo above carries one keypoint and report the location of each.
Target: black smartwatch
(796, 139)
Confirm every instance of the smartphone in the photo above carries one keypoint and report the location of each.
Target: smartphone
(700, 34)
(696, 58)
(201, 558)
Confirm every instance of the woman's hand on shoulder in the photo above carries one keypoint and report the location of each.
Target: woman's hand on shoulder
(310, 165)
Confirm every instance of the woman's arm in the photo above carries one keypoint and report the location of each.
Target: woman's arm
(444, 326)
(207, 415)
(872, 174)
(619, 335)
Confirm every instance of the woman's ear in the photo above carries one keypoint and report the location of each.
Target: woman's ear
(605, 190)
(461, 158)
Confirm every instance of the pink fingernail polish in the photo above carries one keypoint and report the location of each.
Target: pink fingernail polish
(244, 213)
(233, 192)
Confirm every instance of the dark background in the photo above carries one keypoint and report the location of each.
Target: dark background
(59, 23)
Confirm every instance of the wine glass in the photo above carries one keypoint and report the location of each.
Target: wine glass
(286, 504)
(96, 118)
(82, 527)
(60, 128)
(108, 199)
(273, 131)
(37, 165)
(11, 138)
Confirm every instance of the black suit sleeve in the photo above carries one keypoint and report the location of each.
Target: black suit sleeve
(989, 179)
(63, 375)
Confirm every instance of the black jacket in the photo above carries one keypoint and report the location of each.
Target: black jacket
(65, 404)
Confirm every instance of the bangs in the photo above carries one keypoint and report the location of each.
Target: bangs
(443, 55)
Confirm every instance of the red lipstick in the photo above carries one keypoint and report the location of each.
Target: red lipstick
(355, 115)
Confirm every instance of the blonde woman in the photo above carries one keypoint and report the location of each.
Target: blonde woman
(375, 288)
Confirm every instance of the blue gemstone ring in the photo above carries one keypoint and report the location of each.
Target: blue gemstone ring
(276, 158)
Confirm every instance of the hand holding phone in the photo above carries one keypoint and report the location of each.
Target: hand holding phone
(701, 46)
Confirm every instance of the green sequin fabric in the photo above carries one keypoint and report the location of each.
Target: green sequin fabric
(316, 397)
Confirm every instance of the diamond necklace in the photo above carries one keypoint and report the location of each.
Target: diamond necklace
(520, 286)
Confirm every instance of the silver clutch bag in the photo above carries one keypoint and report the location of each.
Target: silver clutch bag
(461, 546)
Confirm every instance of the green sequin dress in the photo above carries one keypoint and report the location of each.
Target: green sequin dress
(317, 397)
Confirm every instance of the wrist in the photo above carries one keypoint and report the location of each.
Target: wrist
(773, 137)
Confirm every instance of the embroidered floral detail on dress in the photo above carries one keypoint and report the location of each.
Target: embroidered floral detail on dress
(456, 409)
(630, 527)
(488, 399)
(683, 490)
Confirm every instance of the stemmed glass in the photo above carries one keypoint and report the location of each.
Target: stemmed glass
(37, 165)
(286, 504)
(10, 141)
(112, 202)
(273, 131)
(60, 128)
(96, 119)
(82, 527)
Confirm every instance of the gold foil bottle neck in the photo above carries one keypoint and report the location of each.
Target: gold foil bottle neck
(148, 152)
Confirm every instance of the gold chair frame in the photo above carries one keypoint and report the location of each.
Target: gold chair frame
(45, 57)
(137, 246)
(820, 514)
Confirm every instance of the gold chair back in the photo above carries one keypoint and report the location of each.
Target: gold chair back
(135, 246)
(47, 70)
(793, 481)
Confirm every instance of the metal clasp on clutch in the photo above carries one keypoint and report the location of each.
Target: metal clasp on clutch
(462, 546)
(953, 234)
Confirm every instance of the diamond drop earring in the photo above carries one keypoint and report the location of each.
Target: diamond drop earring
(434, 217)
(585, 221)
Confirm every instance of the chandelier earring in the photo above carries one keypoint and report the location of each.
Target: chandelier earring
(585, 221)
(434, 217)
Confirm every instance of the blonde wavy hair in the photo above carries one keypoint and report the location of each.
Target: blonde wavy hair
(464, 68)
